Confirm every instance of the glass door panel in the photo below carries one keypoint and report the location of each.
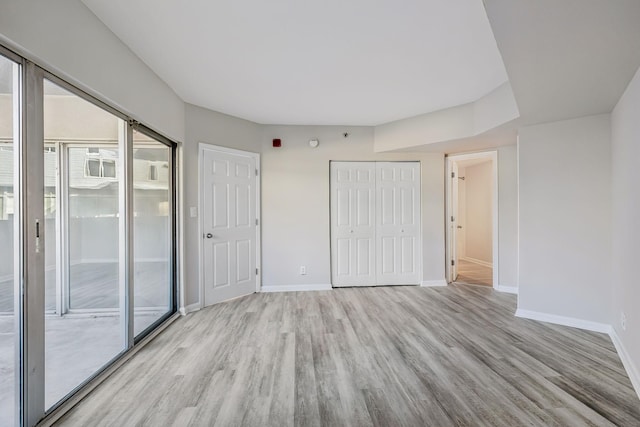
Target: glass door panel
(92, 189)
(9, 108)
(51, 271)
(84, 331)
(152, 231)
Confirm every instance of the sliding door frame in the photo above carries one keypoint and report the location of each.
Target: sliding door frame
(30, 238)
(19, 110)
(33, 237)
(173, 216)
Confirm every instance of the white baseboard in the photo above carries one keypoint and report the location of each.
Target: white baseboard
(627, 362)
(190, 308)
(506, 289)
(564, 321)
(296, 288)
(629, 366)
(477, 261)
(433, 283)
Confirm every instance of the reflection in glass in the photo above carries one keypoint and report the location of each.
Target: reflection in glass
(151, 231)
(8, 339)
(82, 323)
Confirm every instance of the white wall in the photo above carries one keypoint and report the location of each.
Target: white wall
(565, 219)
(479, 211)
(443, 125)
(462, 121)
(295, 201)
(213, 128)
(67, 38)
(508, 216)
(625, 130)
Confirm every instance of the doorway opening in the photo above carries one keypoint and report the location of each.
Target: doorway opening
(472, 219)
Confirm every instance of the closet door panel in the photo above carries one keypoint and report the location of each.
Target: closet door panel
(398, 223)
(353, 223)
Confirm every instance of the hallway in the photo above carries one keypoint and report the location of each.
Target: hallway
(471, 273)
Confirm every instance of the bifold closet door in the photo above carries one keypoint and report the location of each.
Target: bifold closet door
(398, 246)
(353, 206)
(375, 223)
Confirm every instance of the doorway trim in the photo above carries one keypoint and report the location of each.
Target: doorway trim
(450, 236)
(202, 146)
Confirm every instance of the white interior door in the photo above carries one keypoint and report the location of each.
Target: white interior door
(353, 223)
(228, 225)
(375, 223)
(398, 223)
(461, 219)
(453, 221)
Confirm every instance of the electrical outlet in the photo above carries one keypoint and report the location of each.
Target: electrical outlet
(623, 321)
(303, 270)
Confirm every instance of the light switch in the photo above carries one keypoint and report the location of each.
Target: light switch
(193, 211)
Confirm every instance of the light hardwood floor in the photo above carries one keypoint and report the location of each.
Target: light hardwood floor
(396, 356)
(471, 273)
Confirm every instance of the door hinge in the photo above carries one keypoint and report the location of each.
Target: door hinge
(452, 218)
(453, 174)
(256, 221)
(257, 271)
(453, 262)
(257, 173)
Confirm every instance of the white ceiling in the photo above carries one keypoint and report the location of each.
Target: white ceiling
(356, 62)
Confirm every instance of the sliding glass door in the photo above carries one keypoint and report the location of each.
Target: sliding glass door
(87, 238)
(152, 230)
(83, 328)
(9, 274)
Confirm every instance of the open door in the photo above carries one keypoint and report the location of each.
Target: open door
(229, 223)
(453, 222)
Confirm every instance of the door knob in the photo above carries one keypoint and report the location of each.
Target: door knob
(209, 236)
(350, 231)
(459, 226)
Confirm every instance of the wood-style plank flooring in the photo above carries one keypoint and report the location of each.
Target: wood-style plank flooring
(470, 273)
(396, 356)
